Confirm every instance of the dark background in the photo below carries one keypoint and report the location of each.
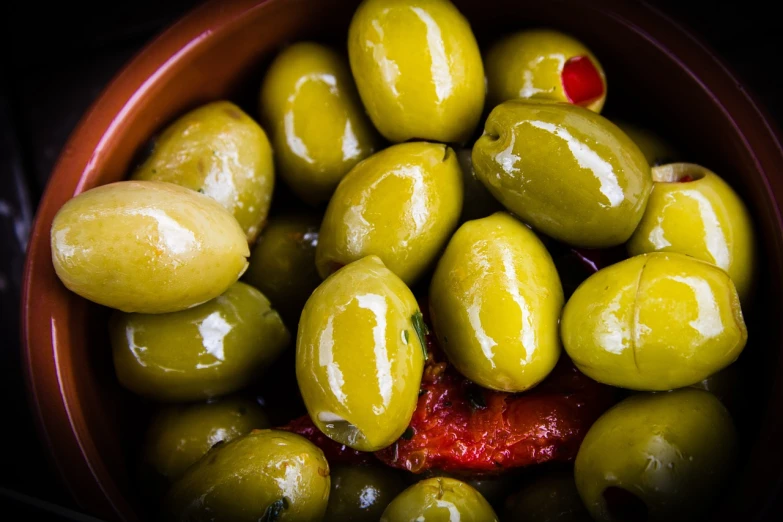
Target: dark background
(55, 60)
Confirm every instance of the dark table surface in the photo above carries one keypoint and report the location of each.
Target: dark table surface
(55, 60)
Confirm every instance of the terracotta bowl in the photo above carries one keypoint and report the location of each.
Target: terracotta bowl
(658, 73)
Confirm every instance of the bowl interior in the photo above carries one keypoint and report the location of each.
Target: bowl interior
(658, 76)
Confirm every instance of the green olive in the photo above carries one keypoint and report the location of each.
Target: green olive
(147, 246)
(282, 264)
(495, 303)
(359, 358)
(654, 322)
(207, 351)
(551, 497)
(477, 202)
(565, 170)
(657, 457)
(693, 211)
(655, 149)
(180, 435)
(494, 488)
(400, 204)
(439, 499)
(361, 493)
(535, 63)
(220, 151)
(317, 122)
(262, 476)
(418, 69)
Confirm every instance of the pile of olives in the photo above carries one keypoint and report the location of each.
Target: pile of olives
(399, 193)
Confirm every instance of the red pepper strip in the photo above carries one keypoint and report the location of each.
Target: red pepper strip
(334, 452)
(460, 427)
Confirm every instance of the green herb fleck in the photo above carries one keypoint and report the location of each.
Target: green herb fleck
(408, 433)
(154, 171)
(421, 330)
(406, 336)
(422, 392)
(201, 191)
(274, 510)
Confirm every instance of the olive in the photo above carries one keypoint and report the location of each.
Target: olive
(282, 263)
(544, 63)
(564, 170)
(693, 211)
(360, 355)
(361, 493)
(262, 476)
(207, 351)
(654, 322)
(180, 435)
(439, 499)
(400, 204)
(317, 122)
(147, 246)
(220, 151)
(418, 69)
(495, 302)
(657, 457)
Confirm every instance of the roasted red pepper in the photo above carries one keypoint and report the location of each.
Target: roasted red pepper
(334, 452)
(460, 427)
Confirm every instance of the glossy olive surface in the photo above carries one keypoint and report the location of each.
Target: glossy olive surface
(317, 122)
(692, 211)
(207, 351)
(565, 170)
(654, 322)
(495, 303)
(477, 201)
(439, 499)
(418, 69)
(180, 435)
(359, 359)
(147, 246)
(282, 263)
(656, 149)
(264, 475)
(529, 64)
(361, 493)
(220, 151)
(548, 497)
(400, 204)
(661, 457)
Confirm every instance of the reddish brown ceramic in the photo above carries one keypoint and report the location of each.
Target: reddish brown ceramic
(656, 70)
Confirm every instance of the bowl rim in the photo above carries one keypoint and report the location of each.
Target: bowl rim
(72, 452)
